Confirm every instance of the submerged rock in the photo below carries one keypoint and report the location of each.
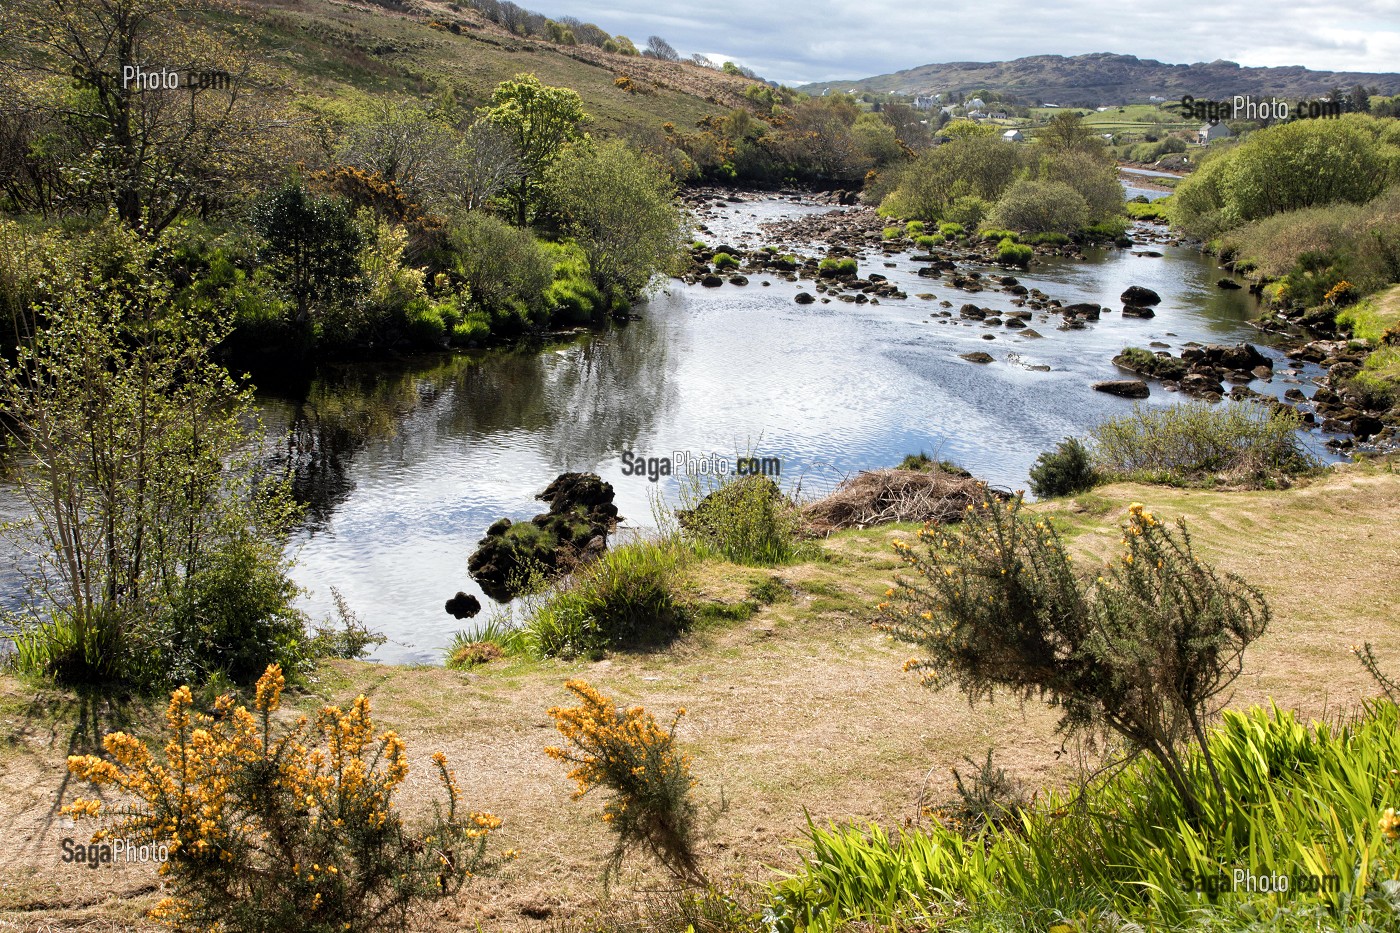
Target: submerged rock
(1123, 388)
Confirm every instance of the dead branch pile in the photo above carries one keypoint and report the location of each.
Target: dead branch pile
(878, 497)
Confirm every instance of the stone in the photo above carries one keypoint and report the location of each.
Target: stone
(1123, 388)
(1139, 296)
(977, 357)
(463, 606)
(805, 298)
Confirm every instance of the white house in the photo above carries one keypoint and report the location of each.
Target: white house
(976, 104)
(1013, 136)
(1209, 132)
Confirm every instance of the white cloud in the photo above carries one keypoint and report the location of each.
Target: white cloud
(830, 40)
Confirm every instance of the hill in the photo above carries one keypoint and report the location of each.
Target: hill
(1104, 78)
(347, 51)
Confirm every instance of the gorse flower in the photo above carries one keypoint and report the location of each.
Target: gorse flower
(259, 824)
(629, 753)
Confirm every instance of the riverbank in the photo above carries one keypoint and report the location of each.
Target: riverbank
(801, 705)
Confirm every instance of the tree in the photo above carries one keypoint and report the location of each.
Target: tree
(622, 210)
(1092, 175)
(312, 244)
(1067, 132)
(135, 454)
(502, 266)
(658, 47)
(149, 152)
(539, 120)
(1359, 101)
(402, 143)
(483, 165)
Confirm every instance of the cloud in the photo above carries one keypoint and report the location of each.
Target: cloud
(830, 40)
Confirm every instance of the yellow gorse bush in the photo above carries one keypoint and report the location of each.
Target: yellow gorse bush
(267, 829)
(630, 754)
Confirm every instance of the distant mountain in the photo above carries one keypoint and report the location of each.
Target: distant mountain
(1104, 78)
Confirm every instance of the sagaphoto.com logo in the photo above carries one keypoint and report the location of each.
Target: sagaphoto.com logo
(689, 463)
(141, 78)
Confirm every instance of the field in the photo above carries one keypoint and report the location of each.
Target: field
(801, 706)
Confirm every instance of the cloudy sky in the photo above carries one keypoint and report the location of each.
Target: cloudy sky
(818, 40)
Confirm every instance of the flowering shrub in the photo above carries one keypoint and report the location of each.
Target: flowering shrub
(1141, 648)
(265, 833)
(629, 753)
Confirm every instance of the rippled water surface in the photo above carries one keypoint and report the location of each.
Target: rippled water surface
(406, 466)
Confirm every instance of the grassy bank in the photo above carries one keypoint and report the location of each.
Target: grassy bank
(798, 706)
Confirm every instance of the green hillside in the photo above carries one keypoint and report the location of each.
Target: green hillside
(347, 51)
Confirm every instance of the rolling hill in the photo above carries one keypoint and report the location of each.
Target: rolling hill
(1104, 78)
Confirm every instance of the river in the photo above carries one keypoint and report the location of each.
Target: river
(405, 466)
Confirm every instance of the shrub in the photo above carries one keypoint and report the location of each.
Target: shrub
(629, 754)
(1047, 239)
(724, 261)
(1140, 650)
(1041, 206)
(889, 233)
(914, 227)
(266, 833)
(625, 599)
(474, 329)
(1014, 254)
(746, 520)
(424, 325)
(967, 211)
(832, 267)
(495, 638)
(996, 235)
(1240, 442)
(950, 230)
(927, 242)
(503, 267)
(1064, 471)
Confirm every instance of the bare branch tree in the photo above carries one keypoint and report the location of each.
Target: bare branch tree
(658, 47)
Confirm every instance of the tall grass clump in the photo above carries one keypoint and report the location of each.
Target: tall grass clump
(270, 828)
(746, 520)
(1310, 803)
(1139, 648)
(627, 598)
(1235, 442)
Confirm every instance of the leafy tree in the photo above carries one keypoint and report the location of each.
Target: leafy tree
(149, 154)
(502, 266)
(622, 210)
(312, 243)
(1066, 131)
(1092, 174)
(157, 545)
(979, 167)
(539, 120)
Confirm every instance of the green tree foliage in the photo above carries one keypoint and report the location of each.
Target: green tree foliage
(621, 208)
(1033, 206)
(1295, 165)
(1067, 132)
(971, 166)
(157, 545)
(540, 120)
(1064, 471)
(312, 243)
(503, 268)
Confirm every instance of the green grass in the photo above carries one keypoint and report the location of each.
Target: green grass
(1303, 801)
(1152, 210)
(1198, 443)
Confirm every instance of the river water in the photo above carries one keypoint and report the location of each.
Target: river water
(405, 466)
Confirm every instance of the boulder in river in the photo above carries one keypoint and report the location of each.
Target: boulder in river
(463, 606)
(977, 357)
(1123, 388)
(1140, 296)
(581, 510)
(805, 298)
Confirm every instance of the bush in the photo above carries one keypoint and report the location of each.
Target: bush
(266, 833)
(951, 230)
(1239, 442)
(503, 267)
(625, 599)
(996, 234)
(1014, 254)
(1041, 206)
(914, 227)
(724, 261)
(1063, 472)
(927, 242)
(967, 211)
(474, 329)
(745, 520)
(889, 233)
(833, 268)
(629, 754)
(424, 325)
(1141, 652)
